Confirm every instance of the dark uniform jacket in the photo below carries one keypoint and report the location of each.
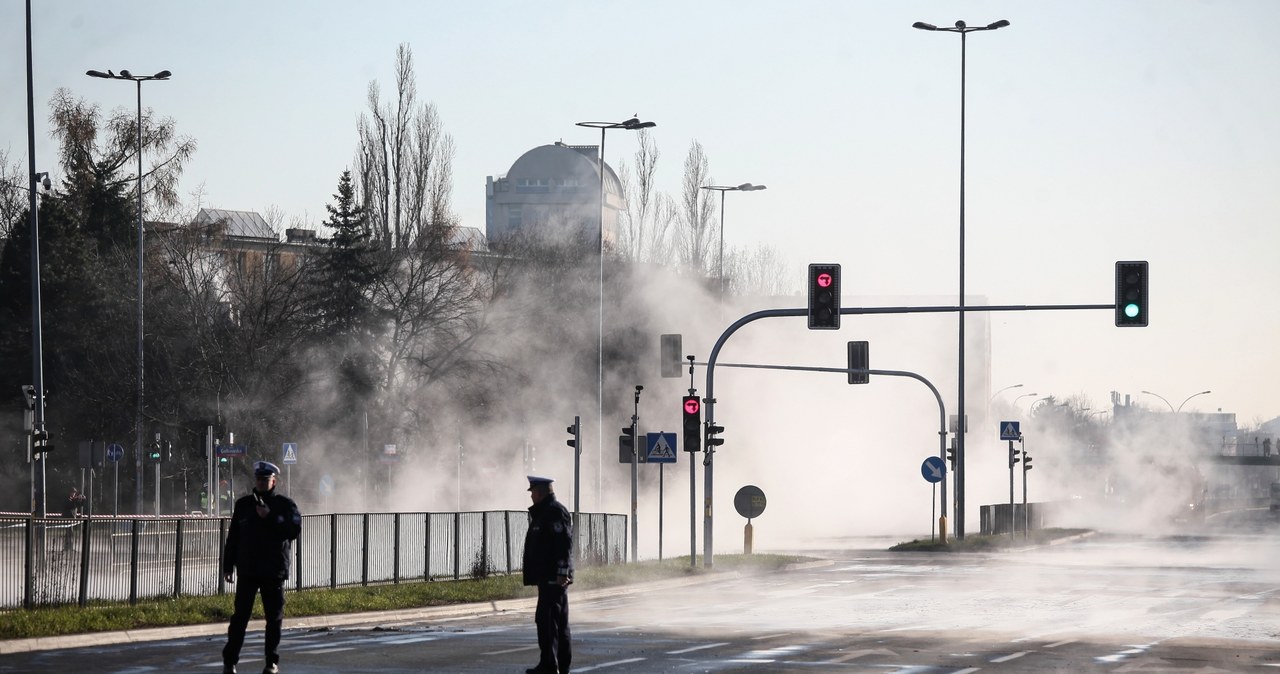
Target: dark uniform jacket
(548, 545)
(261, 547)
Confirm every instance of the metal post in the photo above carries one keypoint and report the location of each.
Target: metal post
(141, 354)
(635, 461)
(960, 397)
(1026, 515)
(1013, 527)
(661, 466)
(600, 349)
(37, 340)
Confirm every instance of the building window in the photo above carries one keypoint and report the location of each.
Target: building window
(513, 217)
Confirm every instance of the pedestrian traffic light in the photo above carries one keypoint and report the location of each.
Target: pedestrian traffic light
(713, 435)
(824, 297)
(1026, 461)
(859, 359)
(1013, 456)
(1131, 294)
(575, 432)
(692, 424)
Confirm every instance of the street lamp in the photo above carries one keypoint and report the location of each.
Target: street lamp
(744, 187)
(963, 30)
(1184, 402)
(1032, 407)
(1024, 395)
(138, 423)
(632, 124)
(38, 429)
(993, 396)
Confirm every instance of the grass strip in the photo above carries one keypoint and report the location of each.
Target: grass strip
(117, 616)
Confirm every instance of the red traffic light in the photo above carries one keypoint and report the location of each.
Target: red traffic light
(691, 405)
(824, 280)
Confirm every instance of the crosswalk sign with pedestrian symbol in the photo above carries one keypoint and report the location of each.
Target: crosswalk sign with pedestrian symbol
(1010, 430)
(662, 447)
(290, 453)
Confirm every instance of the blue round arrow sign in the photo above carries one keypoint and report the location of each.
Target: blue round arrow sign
(933, 469)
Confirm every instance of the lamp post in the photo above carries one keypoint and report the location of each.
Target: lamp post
(37, 340)
(632, 124)
(744, 187)
(993, 396)
(138, 422)
(964, 30)
(1024, 395)
(1032, 407)
(1184, 402)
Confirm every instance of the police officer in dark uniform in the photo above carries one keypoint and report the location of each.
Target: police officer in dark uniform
(548, 564)
(264, 525)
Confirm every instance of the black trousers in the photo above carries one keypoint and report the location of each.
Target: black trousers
(552, 619)
(273, 609)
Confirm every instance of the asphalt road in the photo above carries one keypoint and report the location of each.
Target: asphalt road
(1206, 604)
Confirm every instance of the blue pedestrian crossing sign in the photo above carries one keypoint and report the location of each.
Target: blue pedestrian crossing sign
(290, 453)
(1010, 430)
(662, 447)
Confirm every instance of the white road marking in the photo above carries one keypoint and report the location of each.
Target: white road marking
(697, 648)
(1006, 658)
(602, 665)
(1064, 642)
(512, 650)
(770, 636)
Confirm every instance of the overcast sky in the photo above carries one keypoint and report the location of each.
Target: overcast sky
(1097, 131)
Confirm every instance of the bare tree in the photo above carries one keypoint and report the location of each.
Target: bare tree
(13, 194)
(404, 163)
(696, 230)
(644, 234)
(758, 271)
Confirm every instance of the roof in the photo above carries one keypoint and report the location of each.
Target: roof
(242, 224)
(470, 238)
(562, 161)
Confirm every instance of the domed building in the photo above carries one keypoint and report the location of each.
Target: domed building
(553, 191)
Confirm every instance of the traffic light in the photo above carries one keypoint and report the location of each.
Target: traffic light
(951, 454)
(1013, 456)
(1026, 461)
(692, 424)
(575, 432)
(824, 297)
(627, 446)
(1131, 295)
(41, 441)
(859, 359)
(713, 435)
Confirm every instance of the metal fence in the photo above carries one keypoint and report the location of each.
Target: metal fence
(56, 560)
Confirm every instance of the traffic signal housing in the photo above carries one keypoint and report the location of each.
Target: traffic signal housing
(1013, 456)
(824, 297)
(951, 454)
(713, 435)
(575, 432)
(692, 410)
(1131, 295)
(1026, 461)
(627, 447)
(859, 359)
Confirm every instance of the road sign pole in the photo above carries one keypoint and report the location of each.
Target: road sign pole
(1012, 520)
(661, 470)
(1026, 516)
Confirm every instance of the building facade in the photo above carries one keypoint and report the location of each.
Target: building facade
(553, 191)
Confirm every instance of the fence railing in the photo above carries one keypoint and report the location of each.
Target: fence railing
(58, 560)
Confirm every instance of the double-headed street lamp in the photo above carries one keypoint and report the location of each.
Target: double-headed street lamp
(744, 187)
(138, 420)
(963, 29)
(632, 124)
(1184, 402)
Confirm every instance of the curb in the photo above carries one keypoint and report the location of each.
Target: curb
(343, 619)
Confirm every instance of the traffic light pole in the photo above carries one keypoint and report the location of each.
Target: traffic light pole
(708, 462)
(635, 462)
(1013, 460)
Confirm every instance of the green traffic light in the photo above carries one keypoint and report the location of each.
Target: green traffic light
(1131, 310)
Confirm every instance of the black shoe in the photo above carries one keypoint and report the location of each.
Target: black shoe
(228, 669)
(272, 668)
